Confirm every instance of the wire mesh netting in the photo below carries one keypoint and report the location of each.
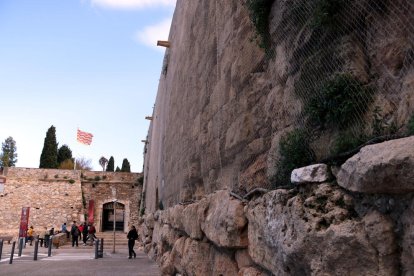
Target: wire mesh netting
(330, 77)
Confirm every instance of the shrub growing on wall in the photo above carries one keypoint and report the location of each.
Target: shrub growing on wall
(259, 15)
(295, 152)
(341, 101)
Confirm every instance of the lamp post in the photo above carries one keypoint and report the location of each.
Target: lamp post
(113, 246)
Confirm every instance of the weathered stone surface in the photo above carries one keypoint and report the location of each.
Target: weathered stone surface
(382, 168)
(191, 257)
(225, 223)
(251, 271)
(243, 258)
(287, 233)
(317, 173)
(407, 243)
(166, 264)
(193, 216)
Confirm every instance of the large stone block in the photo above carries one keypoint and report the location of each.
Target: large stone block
(317, 173)
(382, 168)
(225, 223)
(315, 234)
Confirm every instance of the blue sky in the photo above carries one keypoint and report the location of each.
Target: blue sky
(91, 64)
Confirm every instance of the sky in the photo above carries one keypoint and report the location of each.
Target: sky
(87, 64)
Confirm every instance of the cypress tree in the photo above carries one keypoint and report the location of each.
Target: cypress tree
(125, 166)
(48, 158)
(64, 153)
(117, 169)
(111, 164)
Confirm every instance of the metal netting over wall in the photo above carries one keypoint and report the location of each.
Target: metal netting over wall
(325, 77)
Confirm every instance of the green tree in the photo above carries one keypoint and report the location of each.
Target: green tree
(111, 165)
(8, 156)
(125, 166)
(48, 158)
(117, 169)
(64, 153)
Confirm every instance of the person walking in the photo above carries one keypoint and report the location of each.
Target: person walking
(47, 237)
(132, 236)
(30, 234)
(84, 233)
(74, 231)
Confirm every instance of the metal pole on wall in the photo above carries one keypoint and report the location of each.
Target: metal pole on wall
(113, 245)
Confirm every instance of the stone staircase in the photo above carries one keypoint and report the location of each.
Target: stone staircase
(120, 239)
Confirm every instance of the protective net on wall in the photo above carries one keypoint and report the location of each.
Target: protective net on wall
(345, 68)
(349, 60)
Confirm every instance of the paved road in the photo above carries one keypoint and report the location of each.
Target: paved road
(76, 261)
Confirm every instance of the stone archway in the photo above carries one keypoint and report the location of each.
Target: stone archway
(100, 214)
(108, 210)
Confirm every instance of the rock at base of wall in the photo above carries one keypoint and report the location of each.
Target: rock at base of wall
(191, 257)
(382, 168)
(315, 234)
(317, 173)
(225, 224)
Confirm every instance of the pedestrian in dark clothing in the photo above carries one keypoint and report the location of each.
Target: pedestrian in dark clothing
(85, 233)
(74, 231)
(132, 236)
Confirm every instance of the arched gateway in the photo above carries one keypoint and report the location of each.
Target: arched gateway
(108, 217)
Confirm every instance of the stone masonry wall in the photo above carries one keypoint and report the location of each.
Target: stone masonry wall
(222, 106)
(58, 196)
(103, 187)
(51, 197)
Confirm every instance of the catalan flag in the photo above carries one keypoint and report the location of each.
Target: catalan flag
(84, 137)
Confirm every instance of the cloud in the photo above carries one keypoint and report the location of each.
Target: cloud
(132, 4)
(151, 34)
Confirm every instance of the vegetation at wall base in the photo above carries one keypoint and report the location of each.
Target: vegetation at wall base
(341, 102)
(71, 181)
(295, 152)
(259, 15)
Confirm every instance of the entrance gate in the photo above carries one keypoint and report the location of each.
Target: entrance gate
(108, 217)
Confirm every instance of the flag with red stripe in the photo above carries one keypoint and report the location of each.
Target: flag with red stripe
(84, 137)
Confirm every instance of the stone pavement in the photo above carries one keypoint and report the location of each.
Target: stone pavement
(76, 261)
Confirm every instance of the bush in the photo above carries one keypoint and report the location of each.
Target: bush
(327, 13)
(71, 181)
(56, 176)
(411, 126)
(104, 177)
(295, 152)
(97, 178)
(341, 102)
(259, 15)
(347, 141)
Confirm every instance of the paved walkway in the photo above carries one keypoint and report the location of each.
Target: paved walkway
(76, 261)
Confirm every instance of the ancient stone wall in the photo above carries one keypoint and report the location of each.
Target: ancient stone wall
(223, 105)
(58, 196)
(104, 187)
(52, 197)
(352, 224)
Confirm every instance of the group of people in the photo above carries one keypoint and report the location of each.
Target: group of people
(43, 236)
(85, 232)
